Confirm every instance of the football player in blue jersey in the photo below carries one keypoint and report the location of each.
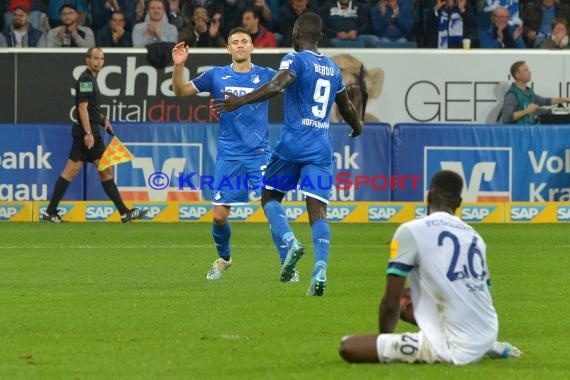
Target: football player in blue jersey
(243, 146)
(311, 82)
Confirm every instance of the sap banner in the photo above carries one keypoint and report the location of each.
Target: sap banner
(176, 162)
(31, 159)
(499, 163)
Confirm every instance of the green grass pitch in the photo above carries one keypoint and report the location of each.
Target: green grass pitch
(112, 301)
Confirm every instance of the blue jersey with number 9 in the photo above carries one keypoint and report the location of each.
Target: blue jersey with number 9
(308, 101)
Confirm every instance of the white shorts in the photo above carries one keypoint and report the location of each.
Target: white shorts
(407, 348)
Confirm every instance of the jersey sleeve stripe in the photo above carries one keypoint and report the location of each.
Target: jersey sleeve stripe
(396, 272)
(400, 266)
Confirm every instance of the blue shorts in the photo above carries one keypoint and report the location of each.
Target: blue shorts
(239, 181)
(314, 180)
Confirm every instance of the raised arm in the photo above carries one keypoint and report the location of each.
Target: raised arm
(281, 80)
(179, 57)
(348, 112)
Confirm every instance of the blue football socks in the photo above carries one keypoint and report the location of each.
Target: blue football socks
(278, 221)
(281, 246)
(321, 243)
(221, 234)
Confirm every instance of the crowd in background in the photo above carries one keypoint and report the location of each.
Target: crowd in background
(491, 24)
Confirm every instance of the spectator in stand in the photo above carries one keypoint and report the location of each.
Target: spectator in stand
(233, 9)
(20, 33)
(202, 32)
(450, 22)
(538, 20)
(513, 6)
(181, 14)
(54, 15)
(393, 22)
(174, 13)
(289, 13)
(261, 37)
(34, 14)
(103, 10)
(501, 35)
(558, 38)
(347, 24)
(140, 12)
(115, 33)
(156, 27)
(69, 34)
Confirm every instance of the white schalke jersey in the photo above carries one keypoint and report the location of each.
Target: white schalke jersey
(447, 266)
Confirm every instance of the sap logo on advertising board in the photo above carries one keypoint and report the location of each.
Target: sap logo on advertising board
(420, 212)
(563, 213)
(382, 213)
(476, 213)
(7, 212)
(62, 210)
(525, 213)
(189, 212)
(339, 213)
(98, 212)
(242, 212)
(153, 210)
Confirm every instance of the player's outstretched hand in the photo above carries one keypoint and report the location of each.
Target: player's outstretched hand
(180, 53)
(357, 131)
(230, 103)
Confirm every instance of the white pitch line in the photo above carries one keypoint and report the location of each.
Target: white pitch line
(146, 246)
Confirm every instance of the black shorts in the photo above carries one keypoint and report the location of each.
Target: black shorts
(79, 151)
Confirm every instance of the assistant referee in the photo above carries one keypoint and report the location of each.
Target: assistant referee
(88, 144)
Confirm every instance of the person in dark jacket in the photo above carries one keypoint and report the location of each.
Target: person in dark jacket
(21, 33)
(115, 33)
(501, 35)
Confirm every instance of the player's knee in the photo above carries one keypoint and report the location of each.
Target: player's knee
(106, 175)
(220, 218)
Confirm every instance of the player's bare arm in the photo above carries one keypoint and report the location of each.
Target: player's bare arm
(107, 124)
(390, 305)
(88, 139)
(407, 308)
(348, 112)
(179, 57)
(281, 80)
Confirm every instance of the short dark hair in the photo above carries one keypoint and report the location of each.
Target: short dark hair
(119, 12)
(67, 5)
(557, 21)
(445, 189)
(23, 8)
(310, 25)
(256, 12)
(90, 51)
(237, 30)
(515, 68)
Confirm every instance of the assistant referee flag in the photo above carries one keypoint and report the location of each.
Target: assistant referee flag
(116, 153)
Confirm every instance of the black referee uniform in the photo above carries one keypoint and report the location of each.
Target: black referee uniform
(86, 89)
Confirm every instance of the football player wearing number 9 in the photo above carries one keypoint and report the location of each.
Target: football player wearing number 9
(311, 83)
(450, 301)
